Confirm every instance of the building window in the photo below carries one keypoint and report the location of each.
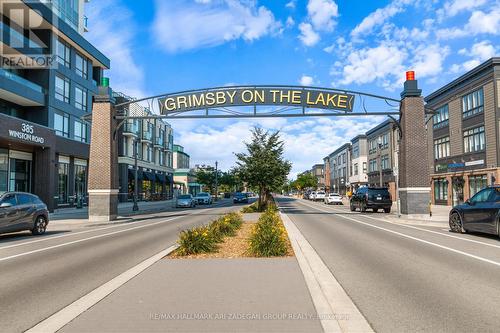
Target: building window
(62, 88)
(385, 162)
(442, 147)
(62, 187)
(373, 165)
(80, 182)
(473, 103)
(355, 169)
(372, 146)
(61, 124)
(63, 53)
(440, 119)
(477, 183)
(355, 151)
(343, 157)
(441, 189)
(81, 98)
(80, 131)
(149, 152)
(364, 167)
(385, 141)
(81, 66)
(474, 139)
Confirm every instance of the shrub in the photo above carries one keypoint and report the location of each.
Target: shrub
(225, 226)
(196, 240)
(253, 208)
(268, 237)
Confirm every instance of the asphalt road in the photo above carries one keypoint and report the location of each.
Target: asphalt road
(41, 275)
(406, 278)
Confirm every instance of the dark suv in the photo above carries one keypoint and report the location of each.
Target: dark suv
(23, 211)
(374, 198)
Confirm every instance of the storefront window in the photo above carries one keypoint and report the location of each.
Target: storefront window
(4, 170)
(477, 183)
(147, 187)
(80, 182)
(62, 186)
(20, 174)
(441, 189)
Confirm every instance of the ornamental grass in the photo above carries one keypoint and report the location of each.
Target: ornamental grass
(269, 238)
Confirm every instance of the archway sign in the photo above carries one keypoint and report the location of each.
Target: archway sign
(259, 101)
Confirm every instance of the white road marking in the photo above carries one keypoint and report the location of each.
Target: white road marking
(421, 229)
(48, 238)
(100, 235)
(416, 238)
(70, 312)
(337, 311)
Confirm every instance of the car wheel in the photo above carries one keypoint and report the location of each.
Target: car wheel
(40, 226)
(375, 210)
(456, 224)
(363, 208)
(387, 210)
(353, 209)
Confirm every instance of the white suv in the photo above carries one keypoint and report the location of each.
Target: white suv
(333, 199)
(320, 196)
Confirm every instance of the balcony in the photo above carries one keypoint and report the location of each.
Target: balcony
(20, 91)
(131, 129)
(147, 136)
(159, 142)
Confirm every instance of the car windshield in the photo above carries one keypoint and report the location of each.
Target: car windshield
(203, 194)
(378, 191)
(321, 192)
(334, 195)
(185, 196)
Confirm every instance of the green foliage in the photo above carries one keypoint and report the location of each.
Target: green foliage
(269, 237)
(304, 181)
(196, 240)
(263, 166)
(204, 239)
(253, 208)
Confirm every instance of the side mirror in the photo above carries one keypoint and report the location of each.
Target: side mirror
(468, 202)
(5, 205)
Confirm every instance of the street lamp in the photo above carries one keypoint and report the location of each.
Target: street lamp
(380, 159)
(136, 190)
(216, 181)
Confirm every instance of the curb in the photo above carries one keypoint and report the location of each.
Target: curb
(335, 308)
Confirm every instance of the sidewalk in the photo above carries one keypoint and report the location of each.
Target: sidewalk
(439, 216)
(214, 295)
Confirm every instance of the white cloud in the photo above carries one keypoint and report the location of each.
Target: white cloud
(308, 36)
(383, 62)
(306, 80)
(479, 23)
(289, 22)
(479, 52)
(112, 32)
(322, 14)
(179, 26)
(379, 17)
(291, 4)
(454, 7)
(428, 60)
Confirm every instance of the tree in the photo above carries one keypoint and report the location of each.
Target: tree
(263, 165)
(207, 178)
(304, 181)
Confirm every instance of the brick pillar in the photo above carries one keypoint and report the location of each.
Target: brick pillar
(414, 176)
(103, 162)
(466, 187)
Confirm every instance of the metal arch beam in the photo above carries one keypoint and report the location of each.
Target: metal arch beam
(385, 98)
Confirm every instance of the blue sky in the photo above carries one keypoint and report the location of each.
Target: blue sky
(161, 46)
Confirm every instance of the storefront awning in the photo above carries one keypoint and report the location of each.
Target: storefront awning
(131, 174)
(160, 178)
(149, 176)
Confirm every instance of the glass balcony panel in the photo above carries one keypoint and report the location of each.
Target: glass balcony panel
(20, 80)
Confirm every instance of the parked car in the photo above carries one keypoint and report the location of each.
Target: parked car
(21, 211)
(374, 198)
(480, 213)
(333, 199)
(203, 198)
(240, 198)
(312, 195)
(185, 200)
(320, 196)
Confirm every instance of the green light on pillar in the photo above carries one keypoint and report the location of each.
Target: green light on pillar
(105, 81)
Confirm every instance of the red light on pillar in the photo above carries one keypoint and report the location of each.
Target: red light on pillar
(410, 76)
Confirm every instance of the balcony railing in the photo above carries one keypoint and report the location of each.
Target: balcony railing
(20, 80)
(147, 135)
(132, 128)
(160, 141)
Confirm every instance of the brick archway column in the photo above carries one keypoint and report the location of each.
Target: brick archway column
(414, 176)
(103, 162)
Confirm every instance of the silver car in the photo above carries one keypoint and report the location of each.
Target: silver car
(185, 200)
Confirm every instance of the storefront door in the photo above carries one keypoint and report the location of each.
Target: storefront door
(458, 190)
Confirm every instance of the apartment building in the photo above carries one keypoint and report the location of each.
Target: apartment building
(382, 158)
(44, 141)
(358, 163)
(152, 141)
(184, 176)
(339, 162)
(464, 133)
(317, 171)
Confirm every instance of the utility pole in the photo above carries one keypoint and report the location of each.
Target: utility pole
(216, 181)
(136, 190)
